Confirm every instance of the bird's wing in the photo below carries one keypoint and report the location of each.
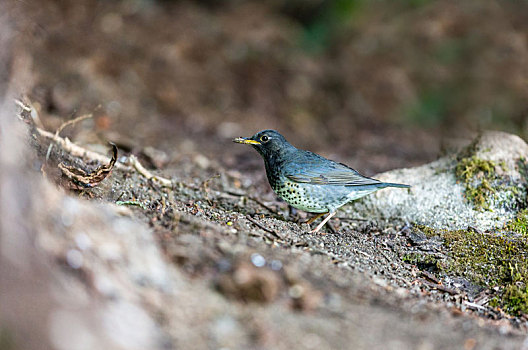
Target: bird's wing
(314, 169)
(332, 178)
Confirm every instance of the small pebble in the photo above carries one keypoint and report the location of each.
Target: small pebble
(296, 291)
(83, 241)
(276, 265)
(258, 260)
(74, 258)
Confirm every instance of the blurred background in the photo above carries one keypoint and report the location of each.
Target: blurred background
(376, 84)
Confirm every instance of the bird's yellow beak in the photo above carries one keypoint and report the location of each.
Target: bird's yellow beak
(246, 141)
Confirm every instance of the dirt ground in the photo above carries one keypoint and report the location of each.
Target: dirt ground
(172, 83)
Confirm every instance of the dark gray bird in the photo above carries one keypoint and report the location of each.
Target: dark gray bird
(306, 180)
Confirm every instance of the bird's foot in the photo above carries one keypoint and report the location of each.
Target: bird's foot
(319, 232)
(313, 218)
(320, 226)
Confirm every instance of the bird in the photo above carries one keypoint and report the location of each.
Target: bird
(308, 181)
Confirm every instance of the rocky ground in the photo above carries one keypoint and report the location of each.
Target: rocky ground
(206, 261)
(183, 245)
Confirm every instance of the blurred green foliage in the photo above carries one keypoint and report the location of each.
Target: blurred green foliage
(322, 20)
(431, 107)
(450, 61)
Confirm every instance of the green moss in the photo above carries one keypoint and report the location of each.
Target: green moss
(429, 232)
(477, 175)
(479, 194)
(486, 189)
(468, 168)
(487, 259)
(519, 224)
(469, 150)
(496, 261)
(522, 167)
(423, 261)
(516, 299)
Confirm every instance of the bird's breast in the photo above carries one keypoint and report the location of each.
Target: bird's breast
(301, 196)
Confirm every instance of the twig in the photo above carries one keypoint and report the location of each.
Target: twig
(385, 256)
(205, 186)
(362, 253)
(441, 287)
(474, 306)
(254, 200)
(22, 105)
(29, 109)
(63, 125)
(132, 160)
(71, 122)
(65, 143)
(259, 225)
(430, 277)
(131, 203)
(78, 151)
(81, 152)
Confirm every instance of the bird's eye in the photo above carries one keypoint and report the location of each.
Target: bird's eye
(264, 138)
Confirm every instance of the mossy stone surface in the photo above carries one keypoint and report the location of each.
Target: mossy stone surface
(484, 185)
(477, 174)
(490, 184)
(496, 260)
(471, 207)
(519, 224)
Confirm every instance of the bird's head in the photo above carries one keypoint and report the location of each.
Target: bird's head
(267, 142)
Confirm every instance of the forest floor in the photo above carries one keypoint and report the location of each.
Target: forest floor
(259, 279)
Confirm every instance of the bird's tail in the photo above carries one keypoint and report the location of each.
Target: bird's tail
(390, 184)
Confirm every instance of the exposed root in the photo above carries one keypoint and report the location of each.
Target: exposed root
(66, 145)
(134, 162)
(78, 151)
(63, 125)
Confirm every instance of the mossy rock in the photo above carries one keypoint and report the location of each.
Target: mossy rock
(484, 185)
(488, 180)
(514, 298)
(421, 260)
(519, 224)
(495, 260)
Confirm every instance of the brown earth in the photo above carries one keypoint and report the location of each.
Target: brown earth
(173, 82)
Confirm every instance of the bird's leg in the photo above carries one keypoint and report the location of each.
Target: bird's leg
(313, 218)
(323, 222)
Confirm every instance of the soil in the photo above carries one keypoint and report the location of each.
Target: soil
(175, 99)
(347, 287)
